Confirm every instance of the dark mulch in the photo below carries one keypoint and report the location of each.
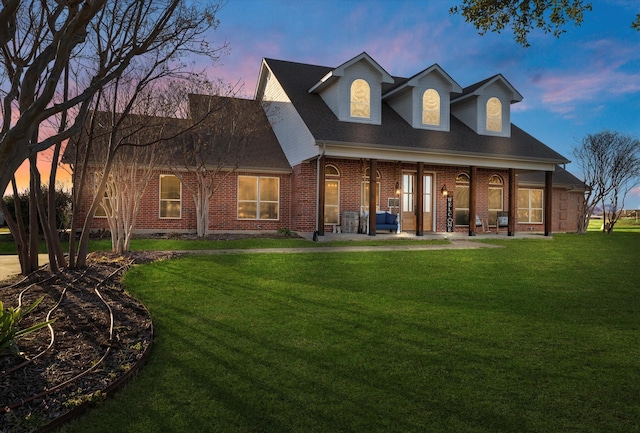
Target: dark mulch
(83, 335)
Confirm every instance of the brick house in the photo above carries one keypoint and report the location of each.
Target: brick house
(336, 142)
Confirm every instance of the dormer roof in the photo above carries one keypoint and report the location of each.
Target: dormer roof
(338, 72)
(480, 87)
(414, 81)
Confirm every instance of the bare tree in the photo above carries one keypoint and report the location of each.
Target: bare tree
(610, 165)
(214, 150)
(97, 40)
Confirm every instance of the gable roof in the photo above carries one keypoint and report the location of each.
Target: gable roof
(402, 83)
(478, 88)
(261, 149)
(561, 177)
(395, 132)
(334, 74)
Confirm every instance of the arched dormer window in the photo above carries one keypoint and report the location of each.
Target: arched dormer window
(360, 99)
(494, 115)
(431, 107)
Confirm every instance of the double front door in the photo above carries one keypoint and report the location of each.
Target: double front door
(410, 202)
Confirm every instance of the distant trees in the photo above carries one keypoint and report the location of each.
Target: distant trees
(610, 166)
(551, 16)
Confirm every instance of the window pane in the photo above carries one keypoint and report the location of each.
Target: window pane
(169, 187)
(268, 189)
(536, 198)
(495, 198)
(268, 211)
(523, 215)
(461, 198)
(331, 215)
(462, 217)
(536, 215)
(247, 188)
(247, 210)
(170, 209)
(523, 198)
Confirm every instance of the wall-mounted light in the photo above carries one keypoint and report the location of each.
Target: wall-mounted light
(397, 188)
(444, 191)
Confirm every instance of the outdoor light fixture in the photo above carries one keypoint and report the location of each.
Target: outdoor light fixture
(397, 188)
(444, 190)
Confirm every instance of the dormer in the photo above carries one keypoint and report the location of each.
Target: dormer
(423, 100)
(353, 90)
(485, 107)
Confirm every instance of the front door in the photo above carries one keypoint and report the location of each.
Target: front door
(410, 202)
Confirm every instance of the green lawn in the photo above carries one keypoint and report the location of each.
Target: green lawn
(538, 336)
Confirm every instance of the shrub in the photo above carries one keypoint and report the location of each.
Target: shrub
(9, 331)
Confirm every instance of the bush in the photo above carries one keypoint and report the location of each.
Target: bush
(63, 207)
(9, 331)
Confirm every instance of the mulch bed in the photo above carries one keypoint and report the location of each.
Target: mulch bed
(90, 351)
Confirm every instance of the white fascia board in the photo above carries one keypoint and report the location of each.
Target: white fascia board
(356, 151)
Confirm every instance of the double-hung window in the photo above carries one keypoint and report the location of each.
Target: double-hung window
(258, 197)
(170, 196)
(530, 205)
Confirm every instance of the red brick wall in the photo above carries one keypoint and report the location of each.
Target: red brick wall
(298, 191)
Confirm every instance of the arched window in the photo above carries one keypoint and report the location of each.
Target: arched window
(331, 195)
(494, 115)
(496, 198)
(360, 99)
(431, 107)
(461, 200)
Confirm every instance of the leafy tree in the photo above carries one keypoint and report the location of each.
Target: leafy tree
(610, 165)
(551, 16)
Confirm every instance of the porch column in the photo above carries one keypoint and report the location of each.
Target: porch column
(419, 199)
(512, 203)
(548, 203)
(373, 168)
(473, 171)
(321, 195)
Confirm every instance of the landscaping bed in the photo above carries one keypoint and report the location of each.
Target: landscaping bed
(100, 338)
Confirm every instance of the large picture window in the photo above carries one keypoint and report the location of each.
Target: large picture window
(530, 205)
(170, 196)
(258, 197)
(360, 99)
(461, 200)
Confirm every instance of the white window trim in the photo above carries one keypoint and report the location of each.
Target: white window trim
(332, 179)
(520, 190)
(258, 201)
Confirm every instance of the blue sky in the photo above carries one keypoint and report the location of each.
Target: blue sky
(585, 81)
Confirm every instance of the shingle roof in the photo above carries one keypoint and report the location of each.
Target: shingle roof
(394, 132)
(262, 150)
(561, 177)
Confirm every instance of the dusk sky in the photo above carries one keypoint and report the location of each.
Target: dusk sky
(585, 81)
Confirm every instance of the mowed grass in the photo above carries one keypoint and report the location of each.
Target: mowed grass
(538, 336)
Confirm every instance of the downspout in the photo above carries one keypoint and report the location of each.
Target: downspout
(324, 148)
